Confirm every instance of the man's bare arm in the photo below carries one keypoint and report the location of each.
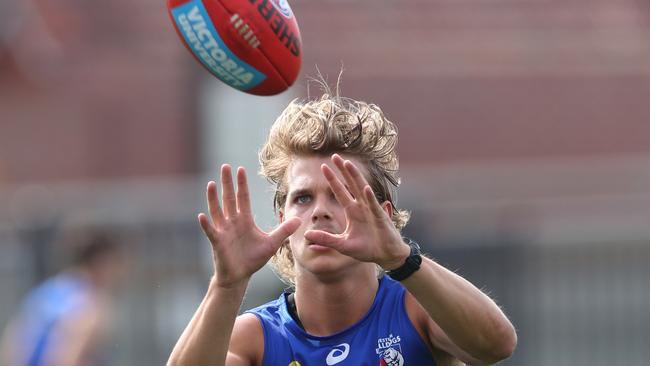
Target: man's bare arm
(206, 338)
(239, 249)
(479, 331)
(8, 346)
(473, 322)
(77, 337)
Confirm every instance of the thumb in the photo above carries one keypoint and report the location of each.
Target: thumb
(333, 241)
(285, 229)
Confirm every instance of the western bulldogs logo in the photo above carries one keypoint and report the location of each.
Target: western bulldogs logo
(283, 7)
(389, 351)
(392, 357)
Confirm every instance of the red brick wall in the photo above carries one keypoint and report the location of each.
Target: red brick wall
(468, 80)
(109, 95)
(464, 80)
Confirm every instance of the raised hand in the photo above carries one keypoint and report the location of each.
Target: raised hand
(370, 234)
(240, 248)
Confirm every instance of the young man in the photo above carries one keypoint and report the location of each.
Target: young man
(64, 321)
(334, 164)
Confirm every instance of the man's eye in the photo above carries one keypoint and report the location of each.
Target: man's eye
(305, 198)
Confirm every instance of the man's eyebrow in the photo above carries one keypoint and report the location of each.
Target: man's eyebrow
(298, 192)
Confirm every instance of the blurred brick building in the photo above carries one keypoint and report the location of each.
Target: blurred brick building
(104, 89)
(93, 89)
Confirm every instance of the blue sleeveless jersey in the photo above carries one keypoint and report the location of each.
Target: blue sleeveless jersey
(59, 297)
(385, 336)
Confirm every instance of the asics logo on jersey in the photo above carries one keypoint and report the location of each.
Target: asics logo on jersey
(337, 354)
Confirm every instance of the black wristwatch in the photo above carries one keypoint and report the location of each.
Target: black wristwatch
(411, 264)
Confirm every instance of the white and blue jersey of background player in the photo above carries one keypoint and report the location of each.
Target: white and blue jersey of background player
(385, 336)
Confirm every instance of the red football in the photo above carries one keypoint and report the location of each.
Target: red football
(251, 45)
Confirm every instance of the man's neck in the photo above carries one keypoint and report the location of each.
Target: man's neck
(326, 308)
(92, 278)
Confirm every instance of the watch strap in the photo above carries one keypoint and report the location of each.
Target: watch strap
(411, 265)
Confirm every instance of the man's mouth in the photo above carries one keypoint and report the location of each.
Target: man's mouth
(316, 246)
(328, 229)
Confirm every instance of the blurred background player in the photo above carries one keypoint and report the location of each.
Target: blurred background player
(64, 320)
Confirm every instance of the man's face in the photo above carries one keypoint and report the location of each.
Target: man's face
(310, 198)
(112, 269)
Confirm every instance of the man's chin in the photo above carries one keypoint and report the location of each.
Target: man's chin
(329, 268)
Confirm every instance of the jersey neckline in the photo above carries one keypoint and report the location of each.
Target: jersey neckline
(294, 327)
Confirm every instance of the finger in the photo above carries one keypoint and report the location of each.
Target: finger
(243, 196)
(340, 192)
(334, 241)
(349, 180)
(357, 177)
(228, 192)
(375, 206)
(208, 228)
(284, 230)
(213, 203)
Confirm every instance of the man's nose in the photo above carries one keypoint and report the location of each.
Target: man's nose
(322, 211)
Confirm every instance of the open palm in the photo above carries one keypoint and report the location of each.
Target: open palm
(240, 248)
(370, 234)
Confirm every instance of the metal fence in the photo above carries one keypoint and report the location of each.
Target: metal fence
(572, 304)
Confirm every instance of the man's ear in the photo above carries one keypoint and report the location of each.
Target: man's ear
(388, 208)
(281, 215)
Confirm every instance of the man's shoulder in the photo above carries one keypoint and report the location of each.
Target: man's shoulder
(246, 341)
(255, 326)
(270, 306)
(273, 312)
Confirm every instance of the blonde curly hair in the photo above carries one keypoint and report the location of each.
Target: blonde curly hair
(327, 125)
